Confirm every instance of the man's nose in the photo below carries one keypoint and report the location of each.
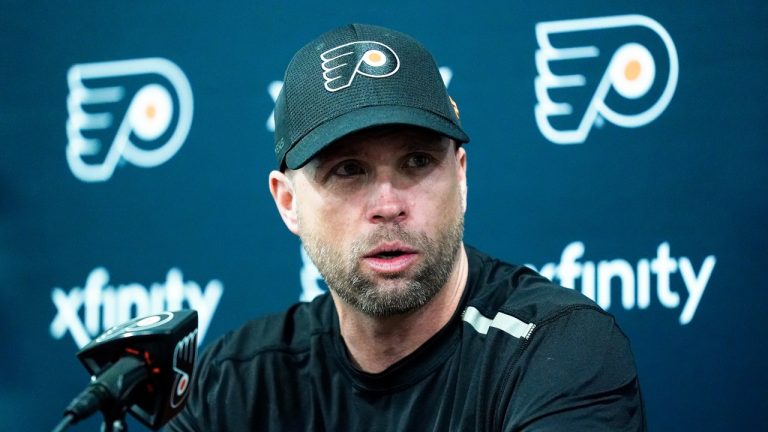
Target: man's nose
(387, 203)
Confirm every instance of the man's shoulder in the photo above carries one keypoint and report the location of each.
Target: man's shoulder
(570, 346)
(287, 332)
(517, 290)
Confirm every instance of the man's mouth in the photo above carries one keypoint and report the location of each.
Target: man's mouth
(390, 258)
(388, 251)
(388, 254)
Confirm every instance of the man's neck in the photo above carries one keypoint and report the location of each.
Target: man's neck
(377, 343)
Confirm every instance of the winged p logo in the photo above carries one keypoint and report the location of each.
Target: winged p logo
(137, 111)
(368, 58)
(183, 365)
(622, 69)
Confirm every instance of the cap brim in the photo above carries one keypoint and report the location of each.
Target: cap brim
(363, 118)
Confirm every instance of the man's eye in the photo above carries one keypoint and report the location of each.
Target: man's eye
(418, 160)
(348, 169)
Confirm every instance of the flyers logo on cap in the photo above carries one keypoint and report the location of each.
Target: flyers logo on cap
(622, 69)
(368, 58)
(138, 111)
(274, 88)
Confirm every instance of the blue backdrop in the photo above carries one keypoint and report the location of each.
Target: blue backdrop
(617, 147)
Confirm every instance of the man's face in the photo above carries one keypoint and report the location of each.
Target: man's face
(381, 214)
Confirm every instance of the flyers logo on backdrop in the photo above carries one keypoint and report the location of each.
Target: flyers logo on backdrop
(622, 69)
(136, 111)
(368, 58)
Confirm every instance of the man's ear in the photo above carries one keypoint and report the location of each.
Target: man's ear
(461, 157)
(281, 187)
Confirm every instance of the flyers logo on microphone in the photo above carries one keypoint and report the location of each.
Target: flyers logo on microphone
(368, 58)
(137, 111)
(183, 366)
(622, 69)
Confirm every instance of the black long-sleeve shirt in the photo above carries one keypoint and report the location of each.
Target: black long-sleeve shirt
(520, 354)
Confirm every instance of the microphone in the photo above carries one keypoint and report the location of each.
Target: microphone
(142, 366)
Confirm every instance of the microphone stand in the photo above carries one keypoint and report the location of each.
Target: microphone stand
(111, 393)
(114, 419)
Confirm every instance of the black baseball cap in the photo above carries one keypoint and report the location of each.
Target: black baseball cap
(355, 77)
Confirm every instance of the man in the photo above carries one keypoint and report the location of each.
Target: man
(419, 332)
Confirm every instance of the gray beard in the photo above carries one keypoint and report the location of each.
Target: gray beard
(344, 278)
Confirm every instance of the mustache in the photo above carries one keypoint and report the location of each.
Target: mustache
(389, 233)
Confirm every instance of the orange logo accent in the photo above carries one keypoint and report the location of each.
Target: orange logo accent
(632, 70)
